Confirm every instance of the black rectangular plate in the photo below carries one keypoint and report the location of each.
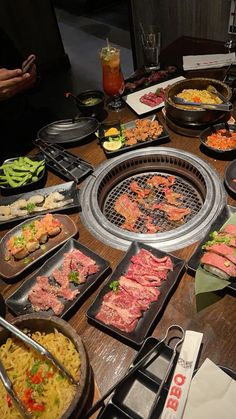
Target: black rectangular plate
(18, 302)
(139, 387)
(68, 189)
(78, 167)
(150, 316)
(193, 262)
(163, 137)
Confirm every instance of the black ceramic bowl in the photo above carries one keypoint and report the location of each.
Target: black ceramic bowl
(195, 117)
(211, 130)
(91, 103)
(31, 184)
(47, 324)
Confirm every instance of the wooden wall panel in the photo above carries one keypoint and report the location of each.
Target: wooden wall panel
(198, 18)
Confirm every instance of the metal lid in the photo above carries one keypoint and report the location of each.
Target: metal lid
(68, 130)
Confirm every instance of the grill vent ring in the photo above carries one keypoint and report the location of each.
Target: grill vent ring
(199, 183)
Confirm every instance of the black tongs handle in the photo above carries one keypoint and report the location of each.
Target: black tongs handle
(140, 363)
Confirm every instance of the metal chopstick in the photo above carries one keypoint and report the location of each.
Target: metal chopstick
(133, 368)
(39, 348)
(49, 156)
(8, 386)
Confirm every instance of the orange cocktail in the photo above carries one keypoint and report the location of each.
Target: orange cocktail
(113, 80)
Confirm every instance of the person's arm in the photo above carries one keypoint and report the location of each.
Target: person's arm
(12, 82)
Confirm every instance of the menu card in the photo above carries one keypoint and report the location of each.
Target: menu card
(195, 62)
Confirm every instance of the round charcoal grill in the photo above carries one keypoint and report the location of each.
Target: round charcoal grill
(200, 186)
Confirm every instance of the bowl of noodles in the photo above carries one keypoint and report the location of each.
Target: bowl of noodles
(43, 390)
(195, 90)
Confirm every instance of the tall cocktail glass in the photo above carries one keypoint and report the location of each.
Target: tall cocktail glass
(113, 80)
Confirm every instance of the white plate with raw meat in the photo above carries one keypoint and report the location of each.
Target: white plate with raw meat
(136, 293)
(133, 99)
(61, 282)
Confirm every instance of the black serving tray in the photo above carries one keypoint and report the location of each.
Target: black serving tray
(193, 262)
(162, 138)
(150, 316)
(68, 189)
(136, 397)
(77, 167)
(229, 175)
(18, 302)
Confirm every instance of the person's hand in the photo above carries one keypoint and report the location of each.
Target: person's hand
(13, 82)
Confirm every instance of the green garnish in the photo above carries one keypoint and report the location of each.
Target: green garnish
(26, 261)
(34, 368)
(43, 247)
(59, 377)
(115, 286)
(74, 276)
(30, 207)
(215, 238)
(56, 401)
(19, 241)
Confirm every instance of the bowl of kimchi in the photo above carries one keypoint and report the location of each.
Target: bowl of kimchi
(220, 138)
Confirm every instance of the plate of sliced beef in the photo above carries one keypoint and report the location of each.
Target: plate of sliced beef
(64, 280)
(216, 253)
(135, 295)
(151, 98)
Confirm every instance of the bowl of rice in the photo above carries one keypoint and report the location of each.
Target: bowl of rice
(43, 390)
(195, 90)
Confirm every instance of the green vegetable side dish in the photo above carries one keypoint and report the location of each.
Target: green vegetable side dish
(20, 172)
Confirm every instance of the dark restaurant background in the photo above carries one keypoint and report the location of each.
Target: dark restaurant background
(64, 33)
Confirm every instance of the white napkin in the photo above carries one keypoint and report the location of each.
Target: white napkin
(212, 394)
(194, 62)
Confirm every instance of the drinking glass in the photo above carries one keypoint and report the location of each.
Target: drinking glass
(113, 80)
(151, 42)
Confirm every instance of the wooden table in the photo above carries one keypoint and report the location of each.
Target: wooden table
(109, 357)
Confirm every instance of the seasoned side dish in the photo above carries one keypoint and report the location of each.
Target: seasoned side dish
(222, 139)
(144, 130)
(32, 236)
(35, 203)
(42, 389)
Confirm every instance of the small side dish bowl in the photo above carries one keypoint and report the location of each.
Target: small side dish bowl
(22, 174)
(91, 103)
(219, 138)
(48, 324)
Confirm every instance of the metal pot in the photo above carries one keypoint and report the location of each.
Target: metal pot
(195, 117)
(47, 324)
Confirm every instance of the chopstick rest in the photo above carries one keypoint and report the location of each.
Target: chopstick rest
(179, 387)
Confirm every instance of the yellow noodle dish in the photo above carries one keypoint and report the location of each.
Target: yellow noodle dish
(199, 96)
(43, 390)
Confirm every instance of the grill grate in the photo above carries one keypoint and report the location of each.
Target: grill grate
(191, 199)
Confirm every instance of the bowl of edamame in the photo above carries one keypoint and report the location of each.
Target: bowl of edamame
(19, 174)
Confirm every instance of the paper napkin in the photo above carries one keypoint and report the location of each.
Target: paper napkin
(212, 394)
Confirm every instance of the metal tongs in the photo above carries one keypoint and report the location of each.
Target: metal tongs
(224, 106)
(227, 106)
(52, 151)
(39, 348)
(141, 363)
